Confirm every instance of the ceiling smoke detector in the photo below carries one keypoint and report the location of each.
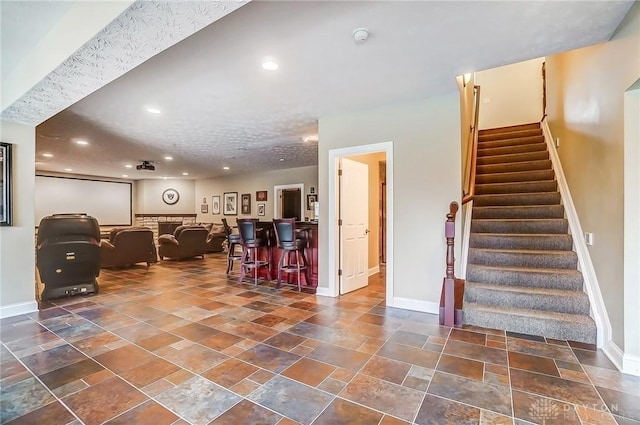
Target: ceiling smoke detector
(360, 35)
(146, 165)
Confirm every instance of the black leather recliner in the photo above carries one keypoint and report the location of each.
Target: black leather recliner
(68, 254)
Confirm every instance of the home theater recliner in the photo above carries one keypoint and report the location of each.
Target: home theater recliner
(68, 255)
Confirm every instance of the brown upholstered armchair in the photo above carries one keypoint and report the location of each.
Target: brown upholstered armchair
(186, 242)
(216, 236)
(128, 246)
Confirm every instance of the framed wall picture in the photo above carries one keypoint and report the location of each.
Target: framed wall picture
(170, 196)
(230, 203)
(5, 184)
(245, 206)
(261, 196)
(311, 199)
(261, 209)
(215, 204)
(204, 208)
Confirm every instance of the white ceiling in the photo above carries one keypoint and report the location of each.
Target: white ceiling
(220, 108)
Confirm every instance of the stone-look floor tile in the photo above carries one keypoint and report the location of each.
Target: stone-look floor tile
(407, 354)
(192, 400)
(94, 378)
(476, 352)
(491, 418)
(261, 376)
(149, 413)
(21, 398)
(97, 344)
(50, 360)
(541, 349)
(179, 377)
(384, 396)
(390, 420)
(269, 358)
(33, 341)
(195, 332)
(344, 412)
(308, 371)
(620, 404)
(268, 320)
(418, 378)
(20, 330)
(302, 351)
(229, 372)
(245, 387)
(462, 367)
(496, 344)
(150, 372)
(494, 378)
(195, 358)
(287, 421)
(247, 412)
(386, 369)
(221, 341)
(70, 388)
(613, 380)
(408, 338)
(531, 363)
(73, 372)
(53, 413)
(544, 410)
(438, 411)
(574, 376)
(557, 342)
(468, 336)
(137, 332)
(10, 368)
(557, 388)
(594, 417)
(479, 394)
(428, 330)
(497, 369)
(124, 358)
(103, 401)
(332, 386)
(157, 387)
(254, 331)
(233, 351)
(291, 399)
(340, 357)
(79, 331)
(525, 336)
(158, 341)
(285, 341)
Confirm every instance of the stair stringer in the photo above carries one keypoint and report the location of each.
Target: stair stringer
(585, 266)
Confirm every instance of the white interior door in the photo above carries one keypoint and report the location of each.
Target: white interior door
(354, 232)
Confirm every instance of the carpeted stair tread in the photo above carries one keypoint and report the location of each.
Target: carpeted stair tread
(516, 187)
(530, 258)
(549, 299)
(485, 136)
(512, 167)
(572, 327)
(504, 150)
(540, 241)
(510, 142)
(526, 276)
(516, 199)
(518, 176)
(515, 157)
(519, 211)
(516, 225)
(510, 128)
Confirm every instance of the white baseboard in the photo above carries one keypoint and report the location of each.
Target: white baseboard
(416, 305)
(17, 309)
(631, 364)
(374, 270)
(324, 292)
(613, 352)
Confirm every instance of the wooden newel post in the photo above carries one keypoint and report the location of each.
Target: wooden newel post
(449, 280)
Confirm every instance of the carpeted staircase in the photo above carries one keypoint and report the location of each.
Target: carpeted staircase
(522, 272)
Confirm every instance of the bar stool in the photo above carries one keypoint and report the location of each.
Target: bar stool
(291, 243)
(233, 240)
(251, 246)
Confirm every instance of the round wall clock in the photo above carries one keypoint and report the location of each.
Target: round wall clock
(170, 196)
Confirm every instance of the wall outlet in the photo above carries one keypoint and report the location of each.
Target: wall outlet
(557, 142)
(588, 238)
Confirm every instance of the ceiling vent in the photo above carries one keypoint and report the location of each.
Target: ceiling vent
(146, 165)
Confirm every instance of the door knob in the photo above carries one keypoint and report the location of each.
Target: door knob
(366, 231)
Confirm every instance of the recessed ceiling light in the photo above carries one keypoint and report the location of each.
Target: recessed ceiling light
(225, 168)
(165, 177)
(82, 142)
(310, 138)
(270, 65)
(47, 155)
(281, 159)
(154, 110)
(68, 169)
(168, 158)
(185, 174)
(125, 175)
(129, 166)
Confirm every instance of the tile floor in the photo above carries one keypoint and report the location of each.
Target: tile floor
(178, 343)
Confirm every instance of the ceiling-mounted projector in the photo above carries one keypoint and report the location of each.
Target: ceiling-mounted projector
(146, 165)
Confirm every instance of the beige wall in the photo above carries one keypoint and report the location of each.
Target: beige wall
(515, 93)
(17, 245)
(586, 109)
(148, 196)
(251, 183)
(373, 161)
(426, 156)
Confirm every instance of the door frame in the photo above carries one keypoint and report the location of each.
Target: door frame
(278, 201)
(332, 208)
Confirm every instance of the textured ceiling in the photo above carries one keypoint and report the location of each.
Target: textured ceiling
(220, 108)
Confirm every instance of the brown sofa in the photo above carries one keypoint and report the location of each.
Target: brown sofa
(216, 236)
(128, 246)
(186, 242)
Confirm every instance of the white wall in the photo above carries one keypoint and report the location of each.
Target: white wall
(251, 183)
(586, 90)
(17, 242)
(511, 94)
(426, 155)
(148, 196)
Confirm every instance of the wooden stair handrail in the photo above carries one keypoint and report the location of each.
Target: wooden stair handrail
(472, 151)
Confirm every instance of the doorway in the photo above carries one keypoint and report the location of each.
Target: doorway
(333, 214)
(289, 202)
